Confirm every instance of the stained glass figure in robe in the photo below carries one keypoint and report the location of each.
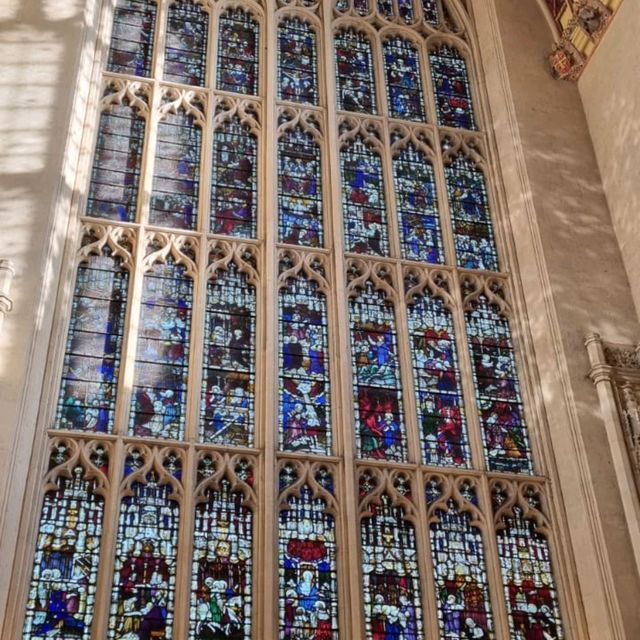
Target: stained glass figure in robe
(355, 77)
(460, 574)
(94, 342)
(417, 206)
(380, 431)
(227, 405)
(297, 62)
(308, 600)
(304, 388)
(234, 180)
(62, 590)
(115, 177)
(404, 85)
(363, 204)
(185, 54)
(504, 432)
(238, 39)
(470, 216)
(431, 12)
(162, 357)
(451, 88)
(131, 48)
(443, 429)
(221, 581)
(299, 189)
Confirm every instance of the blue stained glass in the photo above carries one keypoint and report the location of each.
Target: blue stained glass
(470, 216)
(504, 431)
(451, 88)
(386, 9)
(185, 56)
(227, 406)
(380, 431)
(115, 178)
(404, 85)
(238, 40)
(92, 356)
(355, 76)
(299, 189)
(417, 205)
(363, 204)
(234, 180)
(162, 359)
(431, 12)
(304, 369)
(405, 10)
(131, 46)
(297, 63)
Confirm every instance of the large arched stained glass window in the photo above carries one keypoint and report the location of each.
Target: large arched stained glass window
(298, 62)
(355, 75)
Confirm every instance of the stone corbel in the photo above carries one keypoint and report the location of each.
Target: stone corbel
(6, 279)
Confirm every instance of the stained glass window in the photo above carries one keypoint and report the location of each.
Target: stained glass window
(380, 432)
(417, 206)
(443, 429)
(304, 369)
(238, 52)
(227, 408)
(431, 12)
(355, 79)
(115, 178)
(470, 216)
(363, 204)
(386, 9)
(162, 358)
(504, 431)
(134, 23)
(94, 342)
(451, 88)
(297, 63)
(404, 85)
(234, 181)
(185, 56)
(299, 189)
(308, 593)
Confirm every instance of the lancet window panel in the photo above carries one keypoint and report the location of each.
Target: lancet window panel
(297, 61)
(355, 72)
(431, 12)
(403, 79)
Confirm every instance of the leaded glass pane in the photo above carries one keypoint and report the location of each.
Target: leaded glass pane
(405, 10)
(131, 48)
(228, 379)
(162, 358)
(363, 203)
(386, 9)
(185, 55)
(355, 78)
(470, 216)
(238, 39)
(504, 432)
(380, 431)
(299, 189)
(297, 62)
(234, 180)
(404, 85)
(94, 341)
(431, 12)
(115, 178)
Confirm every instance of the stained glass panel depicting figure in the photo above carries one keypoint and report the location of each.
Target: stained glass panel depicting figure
(417, 206)
(504, 432)
(304, 369)
(451, 88)
(238, 52)
(131, 49)
(228, 379)
(234, 180)
(404, 84)
(436, 378)
(299, 189)
(185, 54)
(162, 357)
(297, 62)
(363, 203)
(380, 431)
(94, 342)
(355, 76)
(431, 12)
(470, 215)
(115, 178)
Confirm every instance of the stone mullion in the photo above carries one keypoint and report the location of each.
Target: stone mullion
(157, 66)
